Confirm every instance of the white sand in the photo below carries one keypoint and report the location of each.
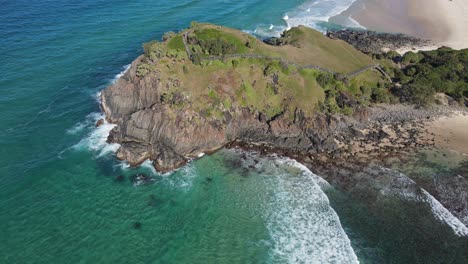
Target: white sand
(451, 133)
(444, 22)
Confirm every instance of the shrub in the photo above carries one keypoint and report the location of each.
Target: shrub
(197, 59)
(143, 69)
(217, 47)
(324, 79)
(393, 55)
(418, 94)
(411, 57)
(168, 35)
(379, 95)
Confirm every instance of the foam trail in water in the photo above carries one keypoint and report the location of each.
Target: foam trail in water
(407, 189)
(444, 215)
(76, 128)
(184, 179)
(303, 226)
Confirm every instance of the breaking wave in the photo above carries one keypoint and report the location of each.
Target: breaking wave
(96, 139)
(302, 225)
(310, 14)
(407, 189)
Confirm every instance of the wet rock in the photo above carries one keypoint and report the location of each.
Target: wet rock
(376, 43)
(141, 179)
(119, 178)
(100, 122)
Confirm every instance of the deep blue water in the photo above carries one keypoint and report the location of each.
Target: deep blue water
(59, 198)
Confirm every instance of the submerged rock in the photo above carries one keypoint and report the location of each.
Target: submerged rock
(100, 122)
(119, 178)
(137, 225)
(141, 179)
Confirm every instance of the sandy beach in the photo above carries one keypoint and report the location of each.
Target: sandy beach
(451, 132)
(444, 22)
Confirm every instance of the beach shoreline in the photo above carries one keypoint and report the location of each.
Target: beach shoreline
(443, 22)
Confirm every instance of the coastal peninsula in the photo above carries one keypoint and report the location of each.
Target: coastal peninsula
(304, 95)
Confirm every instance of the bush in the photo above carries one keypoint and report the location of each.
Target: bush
(143, 69)
(217, 47)
(154, 50)
(168, 35)
(380, 95)
(418, 94)
(411, 57)
(196, 59)
(324, 79)
(393, 55)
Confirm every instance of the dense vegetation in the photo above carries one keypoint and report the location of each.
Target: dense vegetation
(208, 82)
(269, 86)
(421, 75)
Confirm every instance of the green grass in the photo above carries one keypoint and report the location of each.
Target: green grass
(176, 43)
(216, 34)
(263, 85)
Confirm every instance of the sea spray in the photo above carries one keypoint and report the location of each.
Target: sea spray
(96, 139)
(302, 225)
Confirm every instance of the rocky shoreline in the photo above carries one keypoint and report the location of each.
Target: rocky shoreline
(370, 42)
(335, 146)
(147, 128)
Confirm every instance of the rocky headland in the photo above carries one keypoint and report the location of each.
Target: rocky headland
(347, 122)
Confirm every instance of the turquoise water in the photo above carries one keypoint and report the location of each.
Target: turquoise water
(62, 202)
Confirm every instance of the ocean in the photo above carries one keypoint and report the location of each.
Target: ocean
(64, 198)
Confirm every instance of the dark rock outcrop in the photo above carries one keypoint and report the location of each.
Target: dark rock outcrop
(147, 128)
(150, 128)
(375, 43)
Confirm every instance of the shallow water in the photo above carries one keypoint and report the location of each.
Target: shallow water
(62, 202)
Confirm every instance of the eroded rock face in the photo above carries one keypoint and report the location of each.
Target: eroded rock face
(148, 128)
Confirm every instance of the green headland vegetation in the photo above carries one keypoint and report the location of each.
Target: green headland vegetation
(212, 69)
(420, 75)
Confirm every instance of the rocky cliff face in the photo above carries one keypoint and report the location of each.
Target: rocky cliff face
(149, 128)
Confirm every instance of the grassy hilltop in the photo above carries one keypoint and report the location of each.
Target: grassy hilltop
(211, 69)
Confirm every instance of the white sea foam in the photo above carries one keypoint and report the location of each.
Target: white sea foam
(306, 229)
(303, 226)
(444, 215)
(96, 140)
(76, 128)
(184, 180)
(148, 164)
(309, 14)
(120, 74)
(406, 188)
